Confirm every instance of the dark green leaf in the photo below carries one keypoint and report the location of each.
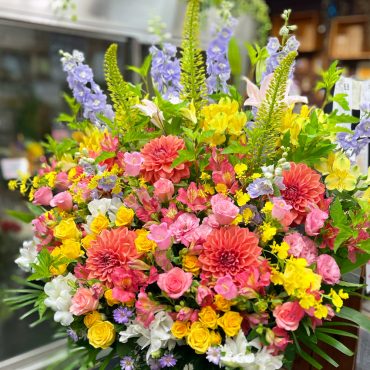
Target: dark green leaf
(334, 343)
(355, 316)
(21, 216)
(36, 210)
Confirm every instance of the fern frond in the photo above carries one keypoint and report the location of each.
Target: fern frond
(192, 63)
(122, 95)
(263, 137)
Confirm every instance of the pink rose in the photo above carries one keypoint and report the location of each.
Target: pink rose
(133, 163)
(161, 235)
(163, 190)
(43, 196)
(315, 221)
(61, 181)
(83, 301)
(327, 267)
(224, 209)
(288, 315)
(175, 282)
(226, 287)
(62, 200)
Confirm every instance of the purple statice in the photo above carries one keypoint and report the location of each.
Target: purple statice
(72, 334)
(127, 363)
(277, 53)
(107, 183)
(122, 315)
(213, 355)
(260, 186)
(167, 360)
(165, 71)
(85, 90)
(354, 142)
(218, 66)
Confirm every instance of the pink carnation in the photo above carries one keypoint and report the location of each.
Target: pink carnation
(182, 228)
(315, 221)
(327, 267)
(163, 190)
(83, 301)
(224, 209)
(288, 315)
(302, 247)
(43, 196)
(62, 200)
(133, 162)
(175, 282)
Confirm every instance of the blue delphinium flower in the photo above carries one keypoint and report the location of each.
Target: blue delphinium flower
(260, 186)
(72, 334)
(165, 71)
(122, 315)
(167, 360)
(80, 79)
(127, 363)
(354, 142)
(218, 66)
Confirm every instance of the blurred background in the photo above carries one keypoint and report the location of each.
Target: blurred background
(32, 81)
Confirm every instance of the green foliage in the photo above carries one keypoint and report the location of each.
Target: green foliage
(143, 70)
(60, 148)
(257, 57)
(20, 215)
(341, 99)
(123, 95)
(262, 138)
(70, 119)
(235, 58)
(42, 267)
(355, 316)
(192, 63)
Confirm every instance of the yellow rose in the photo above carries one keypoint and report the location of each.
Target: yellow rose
(92, 318)
(221, 303)
(124, 216)
(71, 249)
(66, 229)
(101, 334)
(216, 338)
(143, 244)
(191, 264)
(208, 317)
(99, 223)
(199, 337)
(57, 269)
(180, 329)
(108, 295)
(86, 241)
(230, 322)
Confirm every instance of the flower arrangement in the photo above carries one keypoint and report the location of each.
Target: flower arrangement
(183, 230)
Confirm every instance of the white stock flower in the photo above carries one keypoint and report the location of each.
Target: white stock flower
(59, 298)
(97, 206)
(157, 336)
(28, 254)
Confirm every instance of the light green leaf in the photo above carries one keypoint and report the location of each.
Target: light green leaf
(21, 216)
(103, 156)
(184, 156)
(355, 316)
(235, 59)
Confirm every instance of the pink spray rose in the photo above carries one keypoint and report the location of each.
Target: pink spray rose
(133, 163)
(315, 221)
(226, 287)
(61, 181)
(224, 209)
(327, 267)
(43, 196)
(281, 211)
(62, 200)
(175, 282)
(163, 190)
(288, 315)
(161, 235)
(84, 301)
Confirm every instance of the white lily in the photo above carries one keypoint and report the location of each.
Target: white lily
(151, 110)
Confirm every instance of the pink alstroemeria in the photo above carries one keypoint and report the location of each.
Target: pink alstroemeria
(256, 96)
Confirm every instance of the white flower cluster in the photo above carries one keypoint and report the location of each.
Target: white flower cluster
(28, 254)
(60, 298)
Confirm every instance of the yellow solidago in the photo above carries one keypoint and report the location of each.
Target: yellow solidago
(240, 169)
(12, 185)
(267, 207)
(247, 215)
(224, 118)
(337, 298)
(204, 176)
(267, 231)
(255, 176)
(241, 198)
(281, 250)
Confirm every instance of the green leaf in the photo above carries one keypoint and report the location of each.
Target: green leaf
(364, 245)
(355, 316)
(21, 216)
(341, 99)
(145, 67)
(336, 332)
(341, 118)
(42, 268)
(184, 156)
(309, 359)
(103, 156)
(347, 266)
(36, 210)
(235, 148)
(235, 59)
(329, 77)
(350, 285)
(321, 353)
(334, 343)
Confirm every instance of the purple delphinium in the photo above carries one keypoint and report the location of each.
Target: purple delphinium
(165, 71)
(218, 66)
(354, 142)
(127, 363)
(80, 79)
(260, 186)
(213, 355)
(122, 315)
(276, 53)
(72, 334)
(167, 360)
(107, 183)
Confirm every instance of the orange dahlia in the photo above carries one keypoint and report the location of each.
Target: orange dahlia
(229, 250)
(112, 249)
(303, 190)
(158, 156)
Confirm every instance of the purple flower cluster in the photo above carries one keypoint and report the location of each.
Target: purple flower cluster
(277, 53)
(122, 315)
(218, 66)
(72, 334)
(167, 360)
(165, 71)
(354, 142)
(127, 363)
(80, 79)
(260, 186)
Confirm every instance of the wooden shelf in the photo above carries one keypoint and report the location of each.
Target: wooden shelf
(348, 38)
